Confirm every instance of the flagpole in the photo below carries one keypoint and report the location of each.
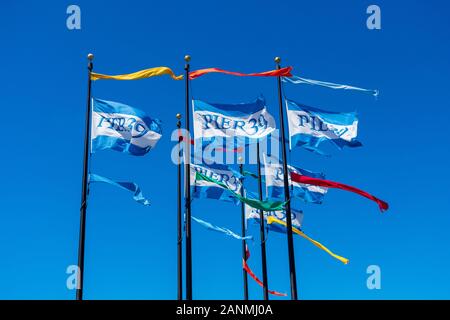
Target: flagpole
(244, 272)
(179, 219)
(84, 186)
(290, 238)
(187, 175)
(262, 231)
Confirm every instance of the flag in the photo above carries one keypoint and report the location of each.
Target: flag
(122, 128)
(332, 184)
(130, 186)
(274, 178)
(225, 231)
(253, 215)
(147, 73)
(309, 127)
(210, 190)
(254, 203)
(298, 80)
(273, 220)
(283, 72)
(249, 120)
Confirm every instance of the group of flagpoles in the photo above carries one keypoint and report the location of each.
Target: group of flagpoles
(188, 239)
(84, 186)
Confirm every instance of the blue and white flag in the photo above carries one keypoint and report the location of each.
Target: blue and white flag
(221, 173)
(130, 186)
(296, 217)
(309, 127)
(122, 128)
(274, 177)
(242, 120)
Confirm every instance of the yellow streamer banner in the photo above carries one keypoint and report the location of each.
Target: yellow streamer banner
(271, 219)
(147, 73)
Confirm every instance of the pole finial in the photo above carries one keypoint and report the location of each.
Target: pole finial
(277, 59)
(187, 58)
(178, 116)
(90, 57)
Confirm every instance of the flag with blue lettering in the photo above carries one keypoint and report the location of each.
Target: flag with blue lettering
(221, 173)
(309, 127)
(252, 214)
(242, 120)
(122, 128)
(274, 178)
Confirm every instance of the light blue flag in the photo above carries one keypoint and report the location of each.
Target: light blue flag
(225, 231)
(221, 173)
(298, 80)
(122, 128)
(309, 127)
(130, 186)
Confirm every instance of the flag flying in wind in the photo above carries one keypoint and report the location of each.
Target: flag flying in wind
(273, 220)
(254, 277)
(283, 72)
(274, 177)
(142, 74)
(225, 231)
(122, 128)
(253, 214)
(332, 184)
(298, 80)
(130, 186)
(250, 120)
(309, 127)
(211, 190)
(254, 203)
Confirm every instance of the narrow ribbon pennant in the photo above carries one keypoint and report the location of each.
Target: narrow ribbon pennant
(283, 72)
(298, 80)
(331, 184)
(130, 186)
(254, 277)
(254, 203)
(142, 74)
(271, 219)
(251, 174)
(225, 231)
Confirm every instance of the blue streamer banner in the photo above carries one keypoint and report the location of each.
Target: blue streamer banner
(130, 186)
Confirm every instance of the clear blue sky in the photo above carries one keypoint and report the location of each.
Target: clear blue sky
(131, 249)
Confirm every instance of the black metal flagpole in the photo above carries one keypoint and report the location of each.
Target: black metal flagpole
(244, 253)
(187, 175)
(290, 238)
(262, 231)
(84, 186)
(179, 219)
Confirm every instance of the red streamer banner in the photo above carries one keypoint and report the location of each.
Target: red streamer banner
(283, 72)
(254, 277)
(331, 184)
